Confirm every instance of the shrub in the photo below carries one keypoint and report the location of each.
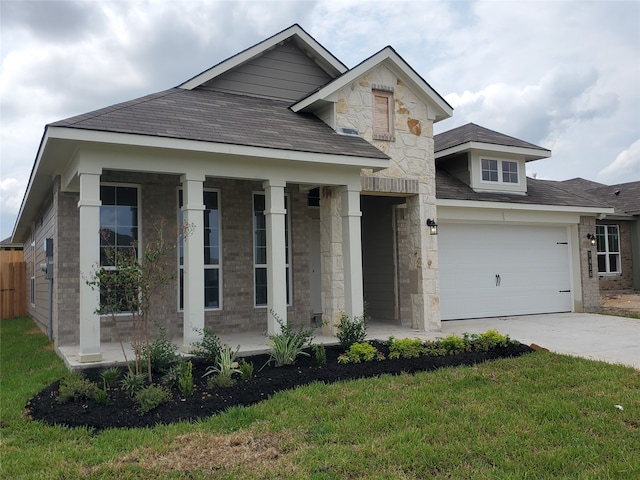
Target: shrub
(151, 397)
(226, 364)
(433, 349)
(160, 353)
(320, 353)
(492, 339)
(110, 377)
(351, 330)
(288, 344)
(361, 351)
(132, 383)
(209, 347)
(405, 348)
(246, 369)
(452, 344)
(76, 387)
(221, 381)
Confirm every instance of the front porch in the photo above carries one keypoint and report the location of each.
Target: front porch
(250, 343)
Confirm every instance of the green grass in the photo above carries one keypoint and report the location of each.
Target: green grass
(539, 416)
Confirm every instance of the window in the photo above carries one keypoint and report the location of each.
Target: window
(491, 170)
(608, 245)
(211, 250)
(118, 234)
(382, 115)
(509, 172)
(260, 248)
(32, 272)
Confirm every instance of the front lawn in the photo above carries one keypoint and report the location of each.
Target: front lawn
(537, 416)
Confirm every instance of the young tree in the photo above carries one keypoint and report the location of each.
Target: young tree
(129, 280)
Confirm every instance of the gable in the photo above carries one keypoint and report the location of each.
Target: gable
(284, 72)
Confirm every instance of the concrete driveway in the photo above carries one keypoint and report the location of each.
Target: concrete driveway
(597, 337)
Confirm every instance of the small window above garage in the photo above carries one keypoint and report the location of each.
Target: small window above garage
(497, 172)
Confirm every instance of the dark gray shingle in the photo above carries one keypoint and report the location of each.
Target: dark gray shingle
(475, 133)
(217, 117)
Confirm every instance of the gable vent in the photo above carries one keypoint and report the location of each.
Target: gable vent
(348, 131)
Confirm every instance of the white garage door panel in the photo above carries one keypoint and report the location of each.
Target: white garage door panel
(532, 264)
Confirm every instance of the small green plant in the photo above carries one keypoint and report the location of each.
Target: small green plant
(492, 339)
(288, 344)
(405, 348)
(226, 365)
(161, 352)
(320, 353)
(361, 351)
(101, 396)
(185, 379)
(433, 348)
(132, 383)
(246, 369)
(209, 347)
(77, 388)
(221, 381)
(151, 397)
(110, 377)
(351, 330)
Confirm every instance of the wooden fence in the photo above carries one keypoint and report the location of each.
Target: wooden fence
(13, 284)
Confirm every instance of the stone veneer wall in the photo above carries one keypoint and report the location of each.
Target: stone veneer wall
(158, 199)
(411, 174)
(624, 281)
(590, 287)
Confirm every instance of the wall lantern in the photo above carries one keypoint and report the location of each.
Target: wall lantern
(433, 226)
(592, 238)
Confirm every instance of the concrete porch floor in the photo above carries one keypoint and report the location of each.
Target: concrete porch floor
(607, 338)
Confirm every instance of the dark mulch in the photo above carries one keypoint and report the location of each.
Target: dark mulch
(120, 411)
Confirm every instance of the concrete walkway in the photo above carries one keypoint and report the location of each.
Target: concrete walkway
(596, 337)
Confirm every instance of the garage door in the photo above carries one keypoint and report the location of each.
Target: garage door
(499, 270)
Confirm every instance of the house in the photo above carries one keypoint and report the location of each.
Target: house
(508, 244)
(617, 234)
(310, 189)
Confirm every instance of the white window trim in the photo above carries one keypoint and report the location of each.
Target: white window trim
(500, 171)
(140, 245)
(606, 253)
(382, 91)
(205, 266)
(288, 250)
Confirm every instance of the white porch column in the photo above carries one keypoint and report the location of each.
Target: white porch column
(193, 216)
(352, 251)
(276, 255)
(89, 206)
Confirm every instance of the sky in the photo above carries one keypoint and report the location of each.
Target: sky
(564, 75)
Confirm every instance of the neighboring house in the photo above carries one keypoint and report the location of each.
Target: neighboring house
(508, 244)
(617, 234)
(309, 188)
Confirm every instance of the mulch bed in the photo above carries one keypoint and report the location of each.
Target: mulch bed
(120, 412)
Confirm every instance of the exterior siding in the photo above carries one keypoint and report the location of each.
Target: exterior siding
(284, 73)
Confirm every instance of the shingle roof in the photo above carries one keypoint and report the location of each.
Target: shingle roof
(539, 192)
(625, 202)
(218, 117)
(475, 133)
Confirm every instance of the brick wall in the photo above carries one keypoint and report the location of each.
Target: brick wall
(158, 200)
(590, 287)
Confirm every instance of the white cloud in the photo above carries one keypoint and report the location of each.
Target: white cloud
(625, 168)
(564, 75)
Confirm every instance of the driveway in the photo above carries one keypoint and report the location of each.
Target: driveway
(597, 337)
